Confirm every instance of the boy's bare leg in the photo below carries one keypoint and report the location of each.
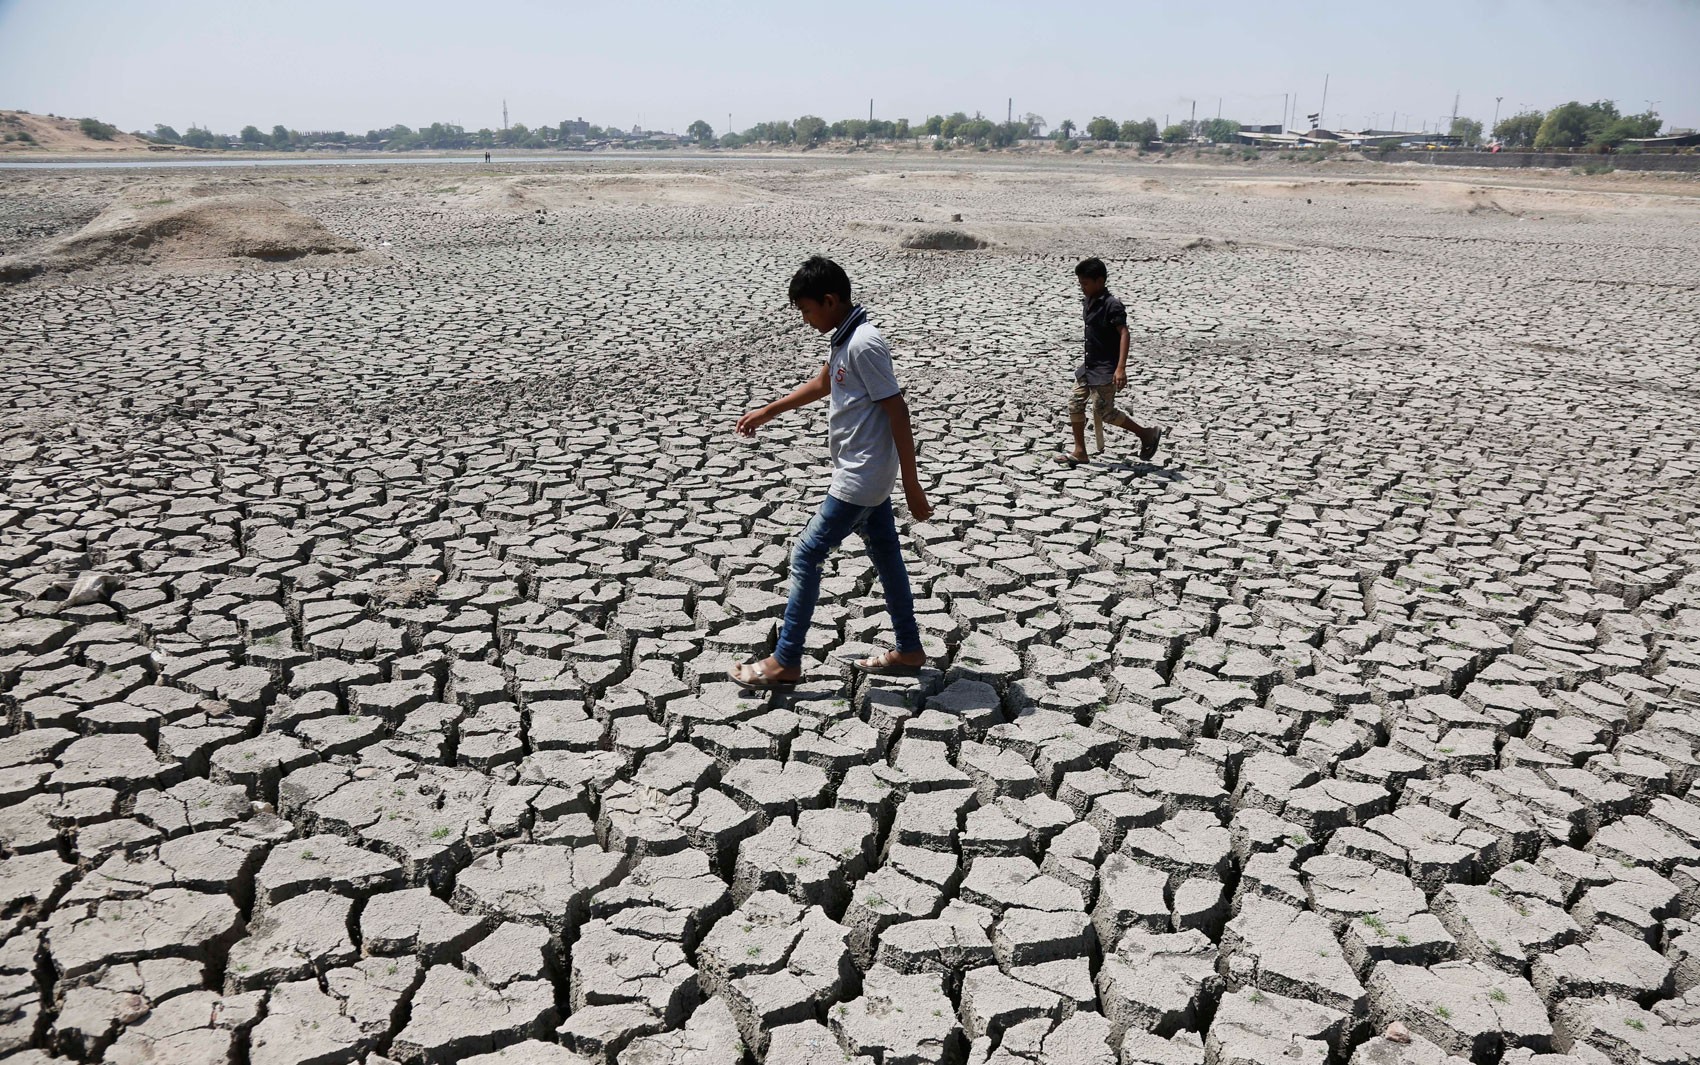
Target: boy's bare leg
(1122, 421)
(1077, 401)
(1149, 436)
(1079, 440)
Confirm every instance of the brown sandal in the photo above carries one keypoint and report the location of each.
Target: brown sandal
(758, 681)
(885, 665)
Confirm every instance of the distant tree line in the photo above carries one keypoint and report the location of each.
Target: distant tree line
(807, 130)
(955, 128)
(1574, 125)
(1598, 126)
(1145, 132)
(943, 129)
(438, 136)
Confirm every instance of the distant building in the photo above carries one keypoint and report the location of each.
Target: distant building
(575, 128)
(1674, 139)
(1275, 137)
(1269, 138)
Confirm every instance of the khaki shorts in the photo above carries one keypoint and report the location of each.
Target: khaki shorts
(1102, 397)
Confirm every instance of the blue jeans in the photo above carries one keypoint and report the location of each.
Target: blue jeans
(834, 521)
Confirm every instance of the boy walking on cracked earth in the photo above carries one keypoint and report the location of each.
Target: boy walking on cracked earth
(869, 437)
(1103, 372)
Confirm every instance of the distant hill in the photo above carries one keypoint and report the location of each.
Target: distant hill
(21, 131)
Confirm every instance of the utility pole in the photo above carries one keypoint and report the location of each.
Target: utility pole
(1218, 107)
(870, 110)
(1454, 124)
(1322, 112)
(1496, 100)
(504, 114)
(1284, 97)
(1192, 123)
(1009, 113)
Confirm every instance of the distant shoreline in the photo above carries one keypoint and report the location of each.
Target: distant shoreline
(920, 154)
(512, 155)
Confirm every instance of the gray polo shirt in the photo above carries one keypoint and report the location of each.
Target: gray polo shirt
(864, 457)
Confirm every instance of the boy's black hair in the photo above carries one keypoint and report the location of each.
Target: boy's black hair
(1094, 268)
(818, 278)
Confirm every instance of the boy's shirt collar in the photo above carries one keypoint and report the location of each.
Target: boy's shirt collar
(858, 314)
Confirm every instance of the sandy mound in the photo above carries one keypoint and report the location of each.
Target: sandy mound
(1572, 203)
(921, 236)
(1434, 195)
(218, 228)
(1110, 236)
(930, 238)
(1481, 201)
(49, 133)
(1338, 188)
(554, 192)
(921, 180)
(1118, 185)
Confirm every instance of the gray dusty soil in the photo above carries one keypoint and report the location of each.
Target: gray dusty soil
(367, 601)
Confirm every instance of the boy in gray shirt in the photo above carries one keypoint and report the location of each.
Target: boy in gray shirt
(869, 437)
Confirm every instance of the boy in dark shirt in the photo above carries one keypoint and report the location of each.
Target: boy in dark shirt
(1103, 372)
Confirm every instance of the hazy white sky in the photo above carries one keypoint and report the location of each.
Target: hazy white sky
(359, 64)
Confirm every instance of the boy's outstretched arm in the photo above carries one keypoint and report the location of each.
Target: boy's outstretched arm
(815, 388)
(1121, 362)
(897, 411)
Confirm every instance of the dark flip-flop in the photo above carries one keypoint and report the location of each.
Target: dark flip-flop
(762, 682)
(1066, 460)
(1148, 447)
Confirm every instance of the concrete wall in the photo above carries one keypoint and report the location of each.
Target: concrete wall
(1550, 160)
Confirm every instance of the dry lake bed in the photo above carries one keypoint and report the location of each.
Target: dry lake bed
(374, 542)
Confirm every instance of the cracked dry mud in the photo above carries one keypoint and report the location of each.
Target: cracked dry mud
(364, 626)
